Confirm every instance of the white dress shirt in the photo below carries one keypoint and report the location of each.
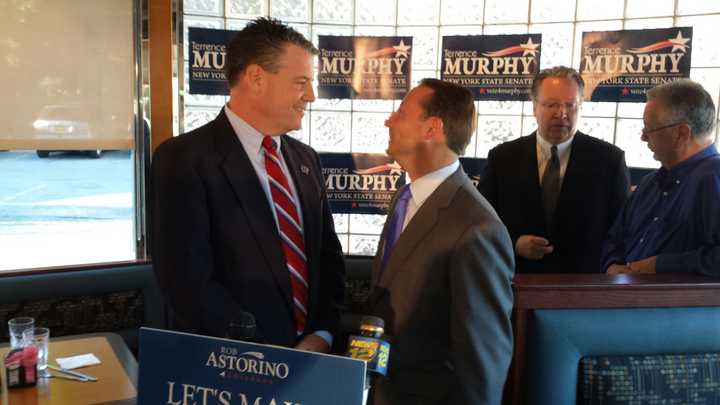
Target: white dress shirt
(542, 148)
(423, 187)
(251, 141)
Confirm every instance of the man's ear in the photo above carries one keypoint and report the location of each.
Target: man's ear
(435, 127)
(684, 134)
(255, 77)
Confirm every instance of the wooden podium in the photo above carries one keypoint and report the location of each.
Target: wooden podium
(589, 291)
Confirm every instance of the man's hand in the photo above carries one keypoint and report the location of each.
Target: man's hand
(532, 247)
(644, 266)
(618, 269)
(313, 343)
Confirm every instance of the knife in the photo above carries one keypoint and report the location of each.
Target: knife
(73, 373)
(63, 376)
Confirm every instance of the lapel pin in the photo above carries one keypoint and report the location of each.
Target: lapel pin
(304, 169)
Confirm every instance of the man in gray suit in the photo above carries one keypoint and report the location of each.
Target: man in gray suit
(442, 273)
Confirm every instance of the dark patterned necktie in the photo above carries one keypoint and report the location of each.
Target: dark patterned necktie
(551, 187)
(291, 233)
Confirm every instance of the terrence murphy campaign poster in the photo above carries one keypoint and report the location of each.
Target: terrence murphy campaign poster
(207, 49)
(492, 67)
(623, 65)
(364, 67)
(361, 183)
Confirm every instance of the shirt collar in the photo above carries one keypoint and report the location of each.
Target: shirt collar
(544, 146)
(685, 166)
(665, 176)
(425, 185)
(250, 137)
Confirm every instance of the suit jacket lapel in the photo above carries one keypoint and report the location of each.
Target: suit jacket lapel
(377, 261)
(421, 225)
(535, 205)
(245, 184)
(569, 184)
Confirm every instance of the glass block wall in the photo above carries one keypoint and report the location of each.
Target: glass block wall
(357, 125)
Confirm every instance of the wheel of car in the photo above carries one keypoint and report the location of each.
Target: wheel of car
(95, 154)
(43, 153)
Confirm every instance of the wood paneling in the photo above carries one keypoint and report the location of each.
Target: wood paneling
(161, 70)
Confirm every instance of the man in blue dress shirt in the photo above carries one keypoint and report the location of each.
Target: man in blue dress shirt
(671, 223)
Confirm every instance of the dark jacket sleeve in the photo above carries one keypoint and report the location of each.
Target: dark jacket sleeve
(488, 181)
(620, 188)
(490, 184)
(332, 266)
(613, 250)
(182, 254)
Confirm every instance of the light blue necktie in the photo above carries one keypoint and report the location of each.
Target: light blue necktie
(397, 219)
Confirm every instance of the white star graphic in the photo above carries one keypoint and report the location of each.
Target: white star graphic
(679, 42)
(529, 47)
(401, 50)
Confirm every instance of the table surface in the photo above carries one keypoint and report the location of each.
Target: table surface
(117, 375)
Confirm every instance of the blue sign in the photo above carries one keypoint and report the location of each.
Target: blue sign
(492, 67)
(624, 65)
(361, 183)
(207, 49)
(184, 369)
(473, 167)
(364, 67)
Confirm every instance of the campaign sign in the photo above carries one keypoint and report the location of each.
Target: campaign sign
(185, 369)
(492, 67)
(364, 67)
(473, 167)
(623, 65)
(361, 183)
(207, 49)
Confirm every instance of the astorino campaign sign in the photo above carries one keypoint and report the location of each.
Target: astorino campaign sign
(492, 67)
(364, 67)
(184, 369)
(624, 65)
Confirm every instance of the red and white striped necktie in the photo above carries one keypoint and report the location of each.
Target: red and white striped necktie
(291, 233)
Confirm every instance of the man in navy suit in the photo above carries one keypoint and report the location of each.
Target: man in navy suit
(239, 214)
(557, 190)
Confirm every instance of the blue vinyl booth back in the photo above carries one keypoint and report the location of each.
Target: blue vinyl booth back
(558, 339)
(61, 294)
(49, 286)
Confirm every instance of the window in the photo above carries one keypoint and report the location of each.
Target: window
(67, 132)
(357, 125)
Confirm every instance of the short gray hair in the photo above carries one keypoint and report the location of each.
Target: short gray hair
(562, 72)
(686, 101)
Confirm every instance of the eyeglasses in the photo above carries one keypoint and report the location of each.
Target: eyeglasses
(556, 106)
(646, 131)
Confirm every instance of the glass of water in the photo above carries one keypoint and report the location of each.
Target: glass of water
(17, 328)
(40, 337)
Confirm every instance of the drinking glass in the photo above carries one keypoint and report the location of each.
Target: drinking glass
(40, 337)
(17, 327)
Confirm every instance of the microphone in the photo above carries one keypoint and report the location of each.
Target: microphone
(242, 328)
(369, 346)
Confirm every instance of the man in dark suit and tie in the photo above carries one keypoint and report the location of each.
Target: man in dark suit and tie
(239, 214)
(557, 190)
(441, 277)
